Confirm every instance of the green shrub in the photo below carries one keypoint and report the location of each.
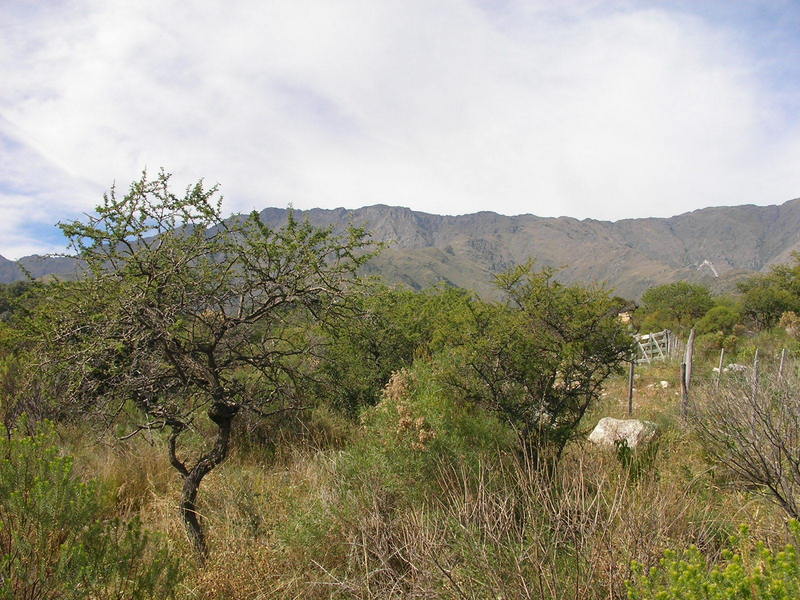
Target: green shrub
(675, 306)
(390, 328)
(56, 540)
(415, 432)
(418, 425)
(766, 296)
(708, 345)
(748, 570)
(720, 318)
(539, 362)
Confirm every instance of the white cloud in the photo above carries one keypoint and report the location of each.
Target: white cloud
(600, 110)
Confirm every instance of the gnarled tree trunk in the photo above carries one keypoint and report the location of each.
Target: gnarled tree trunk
(222, 415)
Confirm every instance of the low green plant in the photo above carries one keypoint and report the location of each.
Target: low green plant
(56, 540)
(636, 462)
(748, 570)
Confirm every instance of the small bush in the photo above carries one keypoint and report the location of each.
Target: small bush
(418, 424)
(748, 570)
(55, 541)
(709, 344)
(751, 428)
(719, 319)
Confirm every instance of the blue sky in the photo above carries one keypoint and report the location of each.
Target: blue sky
(587, 108)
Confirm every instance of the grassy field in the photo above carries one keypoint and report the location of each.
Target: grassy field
(424, 498)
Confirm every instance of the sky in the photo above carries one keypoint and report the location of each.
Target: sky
(586, 108)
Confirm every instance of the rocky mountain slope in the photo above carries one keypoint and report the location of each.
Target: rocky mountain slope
(715, 246)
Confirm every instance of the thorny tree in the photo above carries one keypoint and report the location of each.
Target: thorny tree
(182, 313)
(540, 360)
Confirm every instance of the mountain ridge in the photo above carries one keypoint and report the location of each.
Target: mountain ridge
(628, 255)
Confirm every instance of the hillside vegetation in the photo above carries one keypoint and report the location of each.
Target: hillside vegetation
(225, 409)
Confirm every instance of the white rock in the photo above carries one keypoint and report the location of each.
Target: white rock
(664, 384)
(633, 431)
(737, 367)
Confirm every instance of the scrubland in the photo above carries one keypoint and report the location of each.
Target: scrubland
(219, 409)
(425, 497)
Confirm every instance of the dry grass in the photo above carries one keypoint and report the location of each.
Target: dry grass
(503, 532)
(287, 525)
(513, 534)
(135, 472)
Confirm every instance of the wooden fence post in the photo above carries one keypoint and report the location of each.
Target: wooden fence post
(755, 374)
(688, 358)
(780, 366)
(719, 370)
(684, 392)
(630, 387)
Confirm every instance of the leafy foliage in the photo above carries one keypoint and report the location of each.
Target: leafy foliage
(719, 318)
(57, 542)
(10, 295)
(540, 361)
(417, 428)
(389, 329)
(674, 306)
(182, 312)
(767, 297)
(748, 570)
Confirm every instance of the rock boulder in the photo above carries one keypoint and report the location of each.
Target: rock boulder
(633, 431)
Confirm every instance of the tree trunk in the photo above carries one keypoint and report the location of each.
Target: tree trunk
(222, 415)
(191, 520)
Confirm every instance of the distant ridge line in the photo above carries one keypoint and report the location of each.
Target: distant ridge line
(628, 255)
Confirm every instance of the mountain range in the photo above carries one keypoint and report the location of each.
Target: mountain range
(715, 246)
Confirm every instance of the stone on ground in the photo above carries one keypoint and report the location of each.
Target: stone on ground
(633, 431)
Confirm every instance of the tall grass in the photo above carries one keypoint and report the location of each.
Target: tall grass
(376, 510)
